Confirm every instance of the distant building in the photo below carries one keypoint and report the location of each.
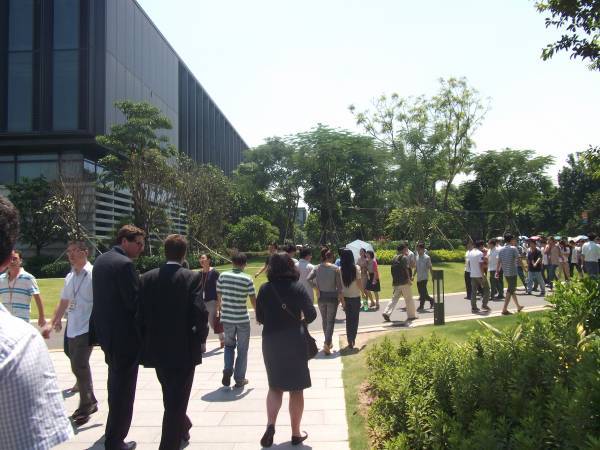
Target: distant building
(301, 215)
(63, 64)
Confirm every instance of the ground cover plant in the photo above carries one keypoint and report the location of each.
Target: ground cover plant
(532, 385)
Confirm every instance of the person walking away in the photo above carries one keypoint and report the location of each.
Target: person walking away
(373, 286)
(351, 293)
(17, 286)
(575, 259)
(520, 264)
(272, 248)
(32, 413)
(173, 324)
(590, 252)
(565, 256)
(115, 284)
(496, 289)
(508, 259)
(477, 267)
(305, 268)
(467, 272)
(553, 253)
(76, 299)
(329, 287)
(401, 282)
(234, 287)
(423, 267)
(364, 277)
(284, 343)
(291, 251)
(209, 277)
(534, 265)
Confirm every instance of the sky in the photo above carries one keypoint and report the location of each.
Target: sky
(278, 67)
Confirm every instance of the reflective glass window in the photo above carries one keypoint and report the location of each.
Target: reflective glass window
(47, 169)
(65, 90)
(66, 24)
(20, 25)
(20, 91)
(71, 168)
(7, 173)
(37, 156)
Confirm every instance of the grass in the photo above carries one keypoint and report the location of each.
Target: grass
(355, 365)
(453, 278)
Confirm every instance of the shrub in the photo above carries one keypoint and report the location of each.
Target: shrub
(251, 233)
(533, 386)
(447, 255)
(35, 264)
(58, 269)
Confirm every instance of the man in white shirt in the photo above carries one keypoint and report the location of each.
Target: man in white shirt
(76, 299)
(476, 262)
(496, 284)
(591, 254)
(305, 268)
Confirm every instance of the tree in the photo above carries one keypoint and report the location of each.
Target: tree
(251, 233)
(580, 20)
(510, 181)
(138, 160)
(39, 225)
(206, 194)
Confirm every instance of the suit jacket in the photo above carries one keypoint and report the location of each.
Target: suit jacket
(172, 317)
(112, 323)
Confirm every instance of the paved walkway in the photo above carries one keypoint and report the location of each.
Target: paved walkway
(223, 418)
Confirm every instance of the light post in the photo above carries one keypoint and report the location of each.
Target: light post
(438, 296)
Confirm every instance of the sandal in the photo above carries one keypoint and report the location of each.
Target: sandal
(296, 440)
(267, 439)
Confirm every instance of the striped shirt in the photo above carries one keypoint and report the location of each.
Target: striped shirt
(16, 294)
(235, 287)
(509, 257)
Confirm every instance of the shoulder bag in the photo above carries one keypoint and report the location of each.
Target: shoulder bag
(311, 343)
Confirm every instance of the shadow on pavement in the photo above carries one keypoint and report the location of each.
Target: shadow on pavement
(226, 394)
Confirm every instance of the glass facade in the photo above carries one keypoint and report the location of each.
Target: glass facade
(52, 166)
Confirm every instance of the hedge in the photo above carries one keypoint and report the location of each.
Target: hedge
(535, 386)
(386, 256)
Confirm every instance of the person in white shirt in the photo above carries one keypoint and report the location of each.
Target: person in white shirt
(76, 299)
(477, 263)
(575, 262)
(496, 284)
(591, 254)
(305, 268)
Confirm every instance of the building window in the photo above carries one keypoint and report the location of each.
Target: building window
(20, 65)
(65, 80)
(7, 173)
(47, 169)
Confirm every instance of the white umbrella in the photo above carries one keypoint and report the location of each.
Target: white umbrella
(356, 245)
(581, 237)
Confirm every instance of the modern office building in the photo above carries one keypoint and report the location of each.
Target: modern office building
(63, 64)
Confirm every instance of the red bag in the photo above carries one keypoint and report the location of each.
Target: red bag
(217, 325)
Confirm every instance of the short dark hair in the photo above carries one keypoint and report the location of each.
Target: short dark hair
(401, 247)
(508, 237)
(240, 259)
(9, 228)
(479, 243)
(371, 253)
(326, 254)
(208, 255)
(305, 251)
(492, 241)
(291, 248)
(81, 245)
(591, 236)
(129, 232)
(175, 247)
(421, 245)
(281, 267)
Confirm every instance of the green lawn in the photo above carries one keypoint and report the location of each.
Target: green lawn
(453, 278)
(355, 367)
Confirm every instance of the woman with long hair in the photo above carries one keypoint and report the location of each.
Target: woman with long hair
(281, 304)
(364, 275)
(329, 287)
(210, 276)
(351, 289)
(373, 284)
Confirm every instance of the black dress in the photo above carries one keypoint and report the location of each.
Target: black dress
(283, 344)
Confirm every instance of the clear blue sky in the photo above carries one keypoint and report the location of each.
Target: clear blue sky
(277, 67)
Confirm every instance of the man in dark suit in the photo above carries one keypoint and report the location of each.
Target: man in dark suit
(173, 323)
(112, 325)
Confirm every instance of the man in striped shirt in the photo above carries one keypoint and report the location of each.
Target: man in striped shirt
(233, 289)
(16, 289)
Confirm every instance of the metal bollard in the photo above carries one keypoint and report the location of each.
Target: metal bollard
(438, 295)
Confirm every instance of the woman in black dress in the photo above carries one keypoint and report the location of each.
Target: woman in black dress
(280, 304)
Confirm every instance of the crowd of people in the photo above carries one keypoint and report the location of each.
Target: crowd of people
(161, 320)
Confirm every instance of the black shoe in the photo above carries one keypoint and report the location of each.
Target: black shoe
(500, 297)
(296, 440)
(226, 380)
(486, 307)
(506, 313)
(267, 439)
(475, 310)
(84, 412)
(467, 298)
(129, 445)
(431, 306)
(240, 383)
(420, 309)
(386, 317)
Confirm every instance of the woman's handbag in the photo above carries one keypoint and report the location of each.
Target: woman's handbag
(311, 343)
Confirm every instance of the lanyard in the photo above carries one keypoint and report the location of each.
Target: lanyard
(11, 289)
(76, 290)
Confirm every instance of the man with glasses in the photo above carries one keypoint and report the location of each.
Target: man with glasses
(115, 287)
(76, 300)
(17, 286)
